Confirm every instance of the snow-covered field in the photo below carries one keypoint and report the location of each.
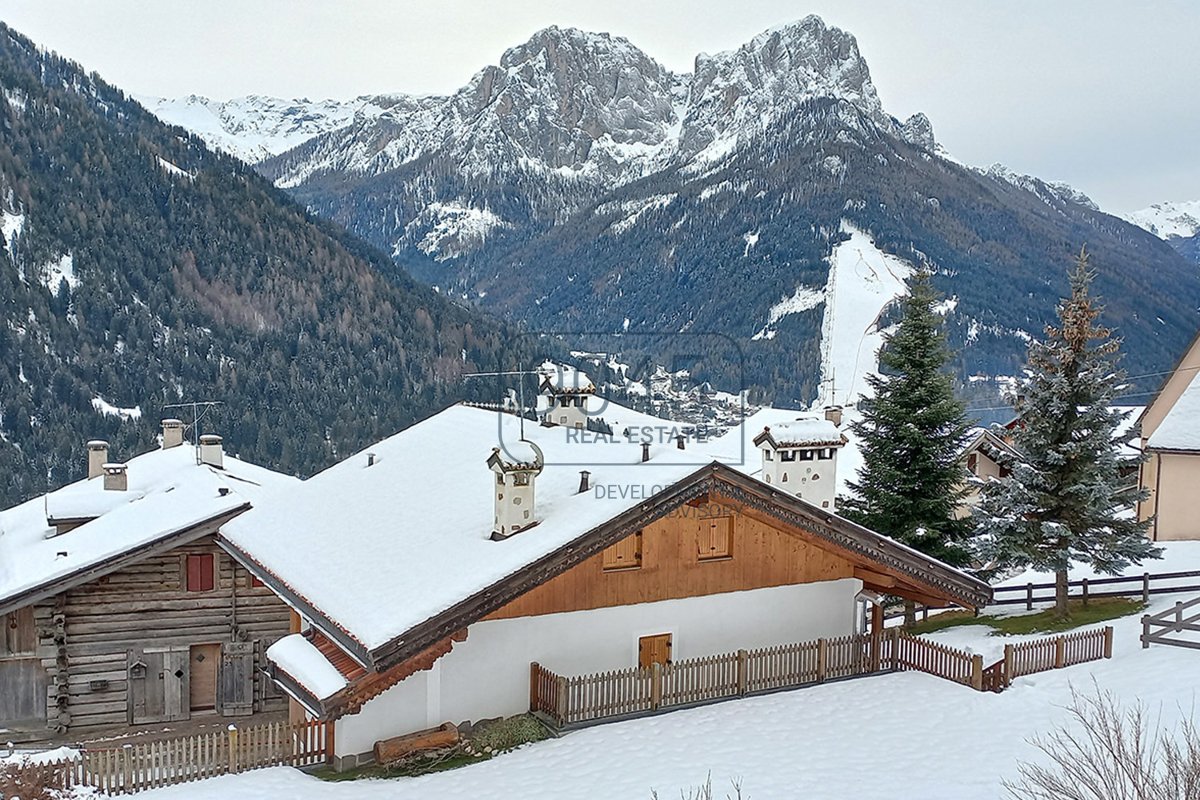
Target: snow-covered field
(907, 735)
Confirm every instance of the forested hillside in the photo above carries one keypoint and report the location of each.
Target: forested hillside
(139, 268)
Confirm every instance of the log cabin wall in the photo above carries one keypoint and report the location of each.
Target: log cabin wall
(91, 635)
(762, 555)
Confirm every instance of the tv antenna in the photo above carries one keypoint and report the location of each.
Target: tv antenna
(200, 409)
(520, 389)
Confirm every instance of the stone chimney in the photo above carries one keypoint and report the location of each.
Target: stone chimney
(172, 433)
(116, 477)
(211, 452)
(97, 450)
(516, 471)
(834, 415)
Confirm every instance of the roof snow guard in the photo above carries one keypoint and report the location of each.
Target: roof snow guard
(805, 432)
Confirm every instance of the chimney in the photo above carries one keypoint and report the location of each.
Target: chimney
(97, 457)
(116, 477)
(645, 451)
(679, 441)
(585, 482)
(834, 415)
(516, 470)
(172, 433)
(210, 450)
(370, 459)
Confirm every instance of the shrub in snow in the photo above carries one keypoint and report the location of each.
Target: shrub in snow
(29, 780)
(1106, 752)
(506, 734)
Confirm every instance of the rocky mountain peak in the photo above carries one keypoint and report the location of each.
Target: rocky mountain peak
(918, 130)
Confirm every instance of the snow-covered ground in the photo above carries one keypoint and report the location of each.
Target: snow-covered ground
(907, 735)
(863, 280)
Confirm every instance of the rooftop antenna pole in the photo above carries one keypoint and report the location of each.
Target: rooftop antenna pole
(520, 389)
(197, 417)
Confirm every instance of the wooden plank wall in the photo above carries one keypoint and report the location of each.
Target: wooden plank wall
(86, 632)
(763, 555)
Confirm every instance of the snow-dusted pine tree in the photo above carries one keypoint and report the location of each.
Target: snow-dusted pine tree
(911, 433)
(1065, 498)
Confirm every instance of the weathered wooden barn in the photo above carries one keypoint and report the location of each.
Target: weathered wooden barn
(119, 606)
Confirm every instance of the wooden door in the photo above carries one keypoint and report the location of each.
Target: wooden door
(236, 697)
(654, 650)
(203, 663)
(147, 686)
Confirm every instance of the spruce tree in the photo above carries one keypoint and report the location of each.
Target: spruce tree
(911, 435)
(1065, 498)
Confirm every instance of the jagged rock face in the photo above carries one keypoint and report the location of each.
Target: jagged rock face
(738, 92)
(918, 130)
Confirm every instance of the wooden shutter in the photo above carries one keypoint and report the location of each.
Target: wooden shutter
(235, 697)
(23, 684)
(200, 572)
(19, 636)
(177, 682)
(625, 554)
(654, 650)
(714, 540)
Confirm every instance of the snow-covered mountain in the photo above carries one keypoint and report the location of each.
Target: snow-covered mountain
(256, 127)
(1167, 220)
(578, 184)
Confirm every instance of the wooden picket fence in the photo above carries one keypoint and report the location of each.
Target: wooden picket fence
(164, 762)
(575, 701)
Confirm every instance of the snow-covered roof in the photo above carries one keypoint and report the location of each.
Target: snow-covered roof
(168, 493)
(306, 665)
(565, 378)
(425, 509)
(1180, 429)
(805, 432)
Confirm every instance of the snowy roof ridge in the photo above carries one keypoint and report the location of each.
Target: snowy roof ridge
(1180, 428)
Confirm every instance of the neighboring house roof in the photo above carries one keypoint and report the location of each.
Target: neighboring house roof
(564, 379)
(1180, 428)
(983, 440)
(805, 432)
(390, 559)
(170, 499)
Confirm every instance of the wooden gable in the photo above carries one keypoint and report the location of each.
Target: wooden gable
(696, 550)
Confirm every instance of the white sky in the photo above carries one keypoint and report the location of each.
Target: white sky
(1100, 93)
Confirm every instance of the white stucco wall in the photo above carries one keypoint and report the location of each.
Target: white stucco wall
(488, 674)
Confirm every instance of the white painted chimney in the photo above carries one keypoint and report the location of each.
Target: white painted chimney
(516, 471)
(97, 450)
(210, 451)
(116, 477)
(172, 433)
(800, 458)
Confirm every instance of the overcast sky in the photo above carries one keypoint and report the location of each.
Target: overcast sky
(1099, 93)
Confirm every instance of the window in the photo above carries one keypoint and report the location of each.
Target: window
(200, 573)
(767, 456)
(807, 455)
(255, 583)
(972, 462)
(715, 539)
(499, 478)
(19, 636)
(520, 479)
(625, 554)
(825, 454)
(787, 455)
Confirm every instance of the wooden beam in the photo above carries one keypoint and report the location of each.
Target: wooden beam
(875, 579)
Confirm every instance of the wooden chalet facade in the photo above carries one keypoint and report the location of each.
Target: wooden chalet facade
(1170, 438)
(714, 561)
(161, 627)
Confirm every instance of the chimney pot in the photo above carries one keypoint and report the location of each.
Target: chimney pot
(97, 457)
(585, 482)
(210, 451)
(645, 451)
(116, 477)
(834, 415)
(172, 433)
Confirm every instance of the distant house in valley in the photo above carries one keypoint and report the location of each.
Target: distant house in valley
(119, 607)
(426, 592)
(1170, 437)
(982, 459)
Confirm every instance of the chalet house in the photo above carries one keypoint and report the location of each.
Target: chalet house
(1170, 437)
(426, 592)
(982, 457)
(118, 606)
